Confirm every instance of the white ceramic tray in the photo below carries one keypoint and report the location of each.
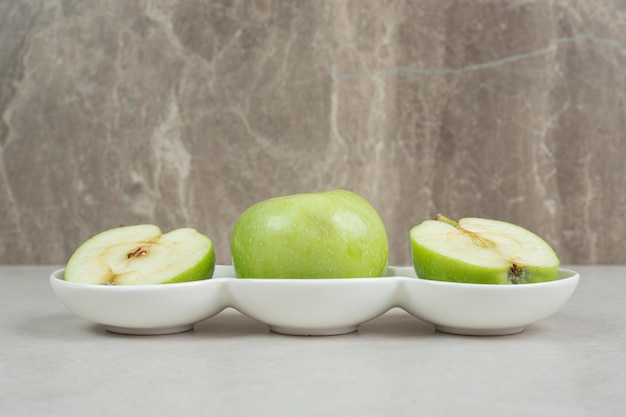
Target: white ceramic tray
(317, 306)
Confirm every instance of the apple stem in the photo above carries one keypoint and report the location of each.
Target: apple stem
(440, 217)
(476, 239)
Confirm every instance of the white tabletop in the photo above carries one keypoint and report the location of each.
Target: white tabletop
(54, 364)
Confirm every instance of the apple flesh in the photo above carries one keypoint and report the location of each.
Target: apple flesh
(330, 234)
(142, 255)
(484, 251)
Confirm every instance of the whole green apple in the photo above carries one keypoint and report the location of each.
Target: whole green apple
(481, 251)
(330, 234)
(141, 255)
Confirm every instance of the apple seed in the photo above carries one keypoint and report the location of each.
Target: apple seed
(140, 251)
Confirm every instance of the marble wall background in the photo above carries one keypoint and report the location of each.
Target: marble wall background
(183, 113)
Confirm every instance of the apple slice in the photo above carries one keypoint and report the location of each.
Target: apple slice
(481, 251)
(140, 255)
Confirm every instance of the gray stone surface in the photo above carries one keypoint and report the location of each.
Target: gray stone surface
(55, 364)
(183, 113)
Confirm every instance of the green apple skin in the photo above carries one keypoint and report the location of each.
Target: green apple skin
(182, 255)
(433, 265)
(329, 234)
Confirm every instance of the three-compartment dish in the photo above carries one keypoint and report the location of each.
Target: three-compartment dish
(317, 306)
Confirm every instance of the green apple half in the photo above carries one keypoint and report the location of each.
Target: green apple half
(329, 234)
(141, 255)
(481, 251)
